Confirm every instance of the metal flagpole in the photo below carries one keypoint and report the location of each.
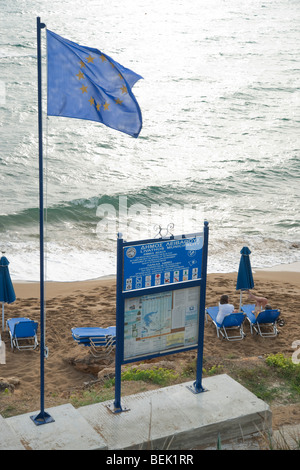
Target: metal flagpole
(43, 417)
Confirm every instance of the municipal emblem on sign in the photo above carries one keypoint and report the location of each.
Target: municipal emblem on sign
(131, 252)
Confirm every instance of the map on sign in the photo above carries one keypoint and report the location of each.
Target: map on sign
(155, 323)
(162, 262)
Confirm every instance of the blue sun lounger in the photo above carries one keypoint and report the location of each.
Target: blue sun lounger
(96, 338)
(265, 324)
(231, 322)
(23, 333)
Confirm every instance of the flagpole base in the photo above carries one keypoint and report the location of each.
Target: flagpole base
(42, 418)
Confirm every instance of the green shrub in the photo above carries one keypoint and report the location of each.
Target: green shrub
(286, 369)
(159, 376)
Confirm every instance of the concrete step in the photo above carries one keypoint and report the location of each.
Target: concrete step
(69, 431)
(175, 418)
(9, 440)
(167, 418)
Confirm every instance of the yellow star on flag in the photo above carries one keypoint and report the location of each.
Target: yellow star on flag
(118, 101)
(91, 100)
(103, 58)
(124, 89)
(90, 59)
(80, 75)
(98, 106)
(106, 106)
(83, 89)
(82, 64)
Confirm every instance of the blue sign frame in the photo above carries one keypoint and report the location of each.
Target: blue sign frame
(138, 264)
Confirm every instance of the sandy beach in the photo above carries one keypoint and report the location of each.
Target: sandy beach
(92, 303)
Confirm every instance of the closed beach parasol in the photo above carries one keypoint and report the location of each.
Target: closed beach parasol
(7, 293)
(244, 278)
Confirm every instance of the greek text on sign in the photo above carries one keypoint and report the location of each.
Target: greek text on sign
(162, 262)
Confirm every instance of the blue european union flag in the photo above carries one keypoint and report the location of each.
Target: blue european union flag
(85, 83)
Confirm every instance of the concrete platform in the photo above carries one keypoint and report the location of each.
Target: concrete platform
(167, 418)
(69, 431)
(175, 418)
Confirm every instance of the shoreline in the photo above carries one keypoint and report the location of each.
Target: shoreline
(290, 267)
(53, 289)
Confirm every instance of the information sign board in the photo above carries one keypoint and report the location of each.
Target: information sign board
(165, 321)
(161, 285)
(162, 262)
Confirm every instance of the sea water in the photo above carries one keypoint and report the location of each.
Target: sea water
(220, 137)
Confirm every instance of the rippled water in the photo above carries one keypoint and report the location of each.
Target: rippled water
(220, 137)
